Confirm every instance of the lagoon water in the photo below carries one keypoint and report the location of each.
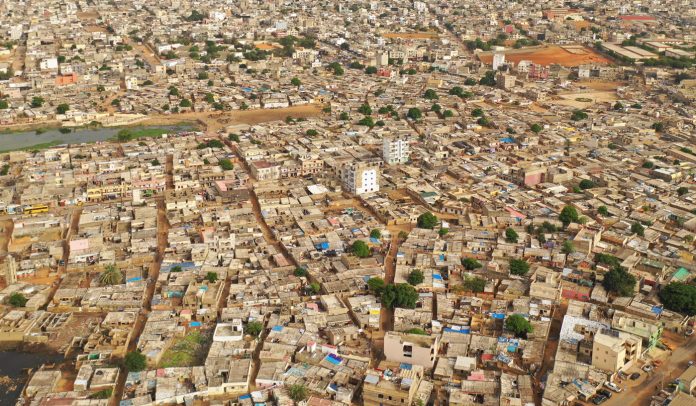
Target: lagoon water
(21, 140)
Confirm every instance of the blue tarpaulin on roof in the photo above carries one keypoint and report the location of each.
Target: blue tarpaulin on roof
(374, 240)
(499, 316)
(322, 246)
(463, 330)
(334, 359)
(507, 140)
(406, 366)
(437, 276)
(135, 279)
(657, 309)
(277, 328)
(195, 324)
(247, 396)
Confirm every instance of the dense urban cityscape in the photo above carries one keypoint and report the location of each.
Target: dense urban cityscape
(325, 203)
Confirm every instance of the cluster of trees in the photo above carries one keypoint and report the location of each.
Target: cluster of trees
(488, 79)
(578, 115)
(336, 68)
(458, 91)
(111, 275)
(568, 215)
(211, 144)
(511, 235)
(679, 297)
(226, 164)
(619, 281)
(399, 295)
(518, 267)
(415, 277)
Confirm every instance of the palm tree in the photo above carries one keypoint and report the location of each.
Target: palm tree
(110, 275)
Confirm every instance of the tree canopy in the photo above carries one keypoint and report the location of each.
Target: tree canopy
(518, 325)
(679, 297)
(399, 295)
(254, 328)
(135, 361)
(511, 235)
(415, 277)
(568, 215)
(619, 281)
(110, 276)
(427, 220)
(360, 249)
(17, 300)
(470, 264)
(518, 267)
(474, 284)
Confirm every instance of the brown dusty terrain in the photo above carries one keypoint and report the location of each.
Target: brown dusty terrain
(549, 55)
(219, 120)
(265, 46)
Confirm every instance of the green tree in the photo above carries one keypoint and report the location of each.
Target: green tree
(226, 164)
(518, 267)
(427, 220)
(569, 215)
(376, 286)
(436, 108)
(311, 132)
(659, 127)
(135, 361)
(62, 108)
(17, 300)
(586, 184)
(344, 116)
(456, 91)
(297, 392)
(448, 113)
(536, 128)
(679, 297)
(474, 284)
(301, 272)
(682, 191)
(371, 70)
(443, 231)
(314, 288)
(296, 82)
(488, 79)
(414, 113)
(416, 330)
(254, 328)
(568, 247)
(211, 277)
(37, 101)
(360, 249)
(603, 211)
(637, 228)
(110, 276)
(375, 233)
(518, 325)
(233, 137)
(578, 115)
(511, 235)
(415, 277)
(430, 94)
(619, 281)
(365, 109)
(185, 103)
(4, 105)
(470, 264)
(477, 112)
(400, 295)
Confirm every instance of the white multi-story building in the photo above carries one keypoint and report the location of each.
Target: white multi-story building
(395, 150)
(360, 178)
(498, 60)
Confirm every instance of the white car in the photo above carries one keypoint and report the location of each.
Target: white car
(612, 386)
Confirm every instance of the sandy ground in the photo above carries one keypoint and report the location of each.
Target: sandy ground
(266, 46)
(411, 35)
(548, 55)
(571, 99)
(214, 121)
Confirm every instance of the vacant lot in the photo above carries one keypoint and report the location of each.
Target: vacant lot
(187, 351)
(217, 121)
(585, 99)
(547, 55)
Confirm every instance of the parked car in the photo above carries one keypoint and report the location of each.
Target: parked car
(605, 393)
(635, 376)
(647, 368)
(599, 399)
(612, 386)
